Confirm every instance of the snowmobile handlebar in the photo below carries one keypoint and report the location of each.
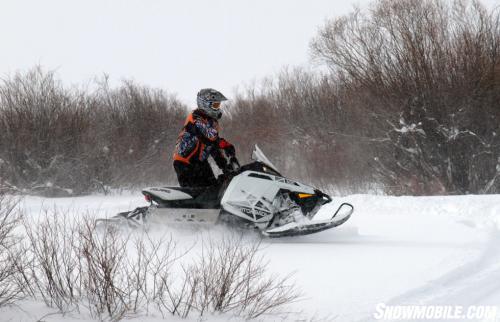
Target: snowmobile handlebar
(235, 164)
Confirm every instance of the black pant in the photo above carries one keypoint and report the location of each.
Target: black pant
(196, 174)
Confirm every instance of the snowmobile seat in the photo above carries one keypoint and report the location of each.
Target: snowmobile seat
(185, 197)
(192, 191)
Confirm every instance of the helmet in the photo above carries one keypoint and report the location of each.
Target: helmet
(209, 100)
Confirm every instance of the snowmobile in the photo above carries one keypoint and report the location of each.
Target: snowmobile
(253, 196)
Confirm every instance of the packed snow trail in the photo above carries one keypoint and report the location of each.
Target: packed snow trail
(473, 282)
(394, 250)
(390, 246)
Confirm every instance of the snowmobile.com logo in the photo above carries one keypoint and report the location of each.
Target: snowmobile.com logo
(437, 312)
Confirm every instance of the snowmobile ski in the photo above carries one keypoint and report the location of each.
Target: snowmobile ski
(311, 227)
(131, 219)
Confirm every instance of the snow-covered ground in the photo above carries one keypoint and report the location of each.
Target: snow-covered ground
(394, 250)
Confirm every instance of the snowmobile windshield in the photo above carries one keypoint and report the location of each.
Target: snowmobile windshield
(258, 155)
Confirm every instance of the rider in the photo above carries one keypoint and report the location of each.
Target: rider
(199, 139)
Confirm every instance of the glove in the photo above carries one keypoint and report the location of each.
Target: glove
(227, 147)
(228, 168)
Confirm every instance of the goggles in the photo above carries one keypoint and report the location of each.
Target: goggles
(215, 105)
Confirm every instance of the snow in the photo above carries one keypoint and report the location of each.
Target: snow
(394, 250)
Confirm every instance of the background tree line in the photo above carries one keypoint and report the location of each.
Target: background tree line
(411, 101)
(410, 104)
(73, 141)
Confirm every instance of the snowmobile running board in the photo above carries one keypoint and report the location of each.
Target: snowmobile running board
(299, 229)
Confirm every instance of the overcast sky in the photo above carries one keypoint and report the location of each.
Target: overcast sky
(180, 45)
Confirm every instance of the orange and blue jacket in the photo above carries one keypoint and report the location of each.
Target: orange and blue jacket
(198, 140)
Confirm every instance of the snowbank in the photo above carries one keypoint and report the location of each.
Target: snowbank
(394, 250)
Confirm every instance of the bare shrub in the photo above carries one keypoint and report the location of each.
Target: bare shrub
(137, 128)
(42, 126)
(230, 276)
(58, 141)
(295, 118)
(11, 284)
(125, 274)
(75, 265)
(426, 75)
(53, 270)
(152, 275)
(80, 266)
(103, 279)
